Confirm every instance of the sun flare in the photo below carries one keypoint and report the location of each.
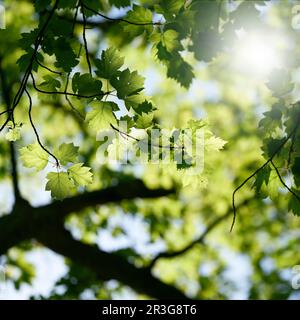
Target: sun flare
(256, 54)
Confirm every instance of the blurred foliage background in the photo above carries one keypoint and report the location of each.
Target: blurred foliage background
(255, 260)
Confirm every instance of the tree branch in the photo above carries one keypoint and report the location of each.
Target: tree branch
(200, 239)
(114, 194)
(46, 225)
(277, 151)
(106, 265)
(22, 222)
(14, 166)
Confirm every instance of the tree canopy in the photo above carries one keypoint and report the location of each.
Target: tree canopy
(153, 143)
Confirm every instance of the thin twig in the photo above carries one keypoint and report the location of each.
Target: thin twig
(84, 39)
(102, 94)
(283, 183)
(23, 84)
(125, 134)
(200, 239)
(35, 130)
(260, 168)
(47, 68)
(121, 19)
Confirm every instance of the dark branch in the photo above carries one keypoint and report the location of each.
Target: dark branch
(114, 194)
(46, 225)
(283, 183)
(22, 222)
(146, 23)
(103, 25)
(102, 94)
(47, 68)
(14, 165)
(200, 239)
(106, 265)
(84, 38)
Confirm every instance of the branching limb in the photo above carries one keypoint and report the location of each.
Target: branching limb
(277, 151)
(102, 94)
(146, 23)
(45, 224)
(47, 68)
(200, 240)
(115, 194)
(106, 265)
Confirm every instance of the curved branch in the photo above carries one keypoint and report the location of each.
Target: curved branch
(114, 194)
(47, 68)
(22, 222)
(283, 183)
(102, 94)
(260, 168)
(84, 38)
(200, 240)
(35, 130)
(46, 225)
(106, 265)
(122, 19)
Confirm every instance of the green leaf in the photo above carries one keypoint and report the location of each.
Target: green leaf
(280, 82)
(80, 175)
(271, 146)
(262, 177)
(169, 8)
(59, 184)
(110, 63)
(273, 185)
(59, 27)
(214, 143)
(101, 115)
(246, 15)
(41, 4)
(144, 120)
(66, 4)
(181, 71)
(25, 60)
(65, 56)
(170, 41)
(134, 101)
(86, 85)
(206, 45)
(33, 156)
(272, 119)
(296, 171)
(145, 107)
(14, 132)
(66, 153)
(139, 15)
(128, 83)
(28, 39)
(50, 83)
(294, 204)
(96, 5)
(120, 3)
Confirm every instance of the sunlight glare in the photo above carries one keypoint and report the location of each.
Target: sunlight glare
(256, 54)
